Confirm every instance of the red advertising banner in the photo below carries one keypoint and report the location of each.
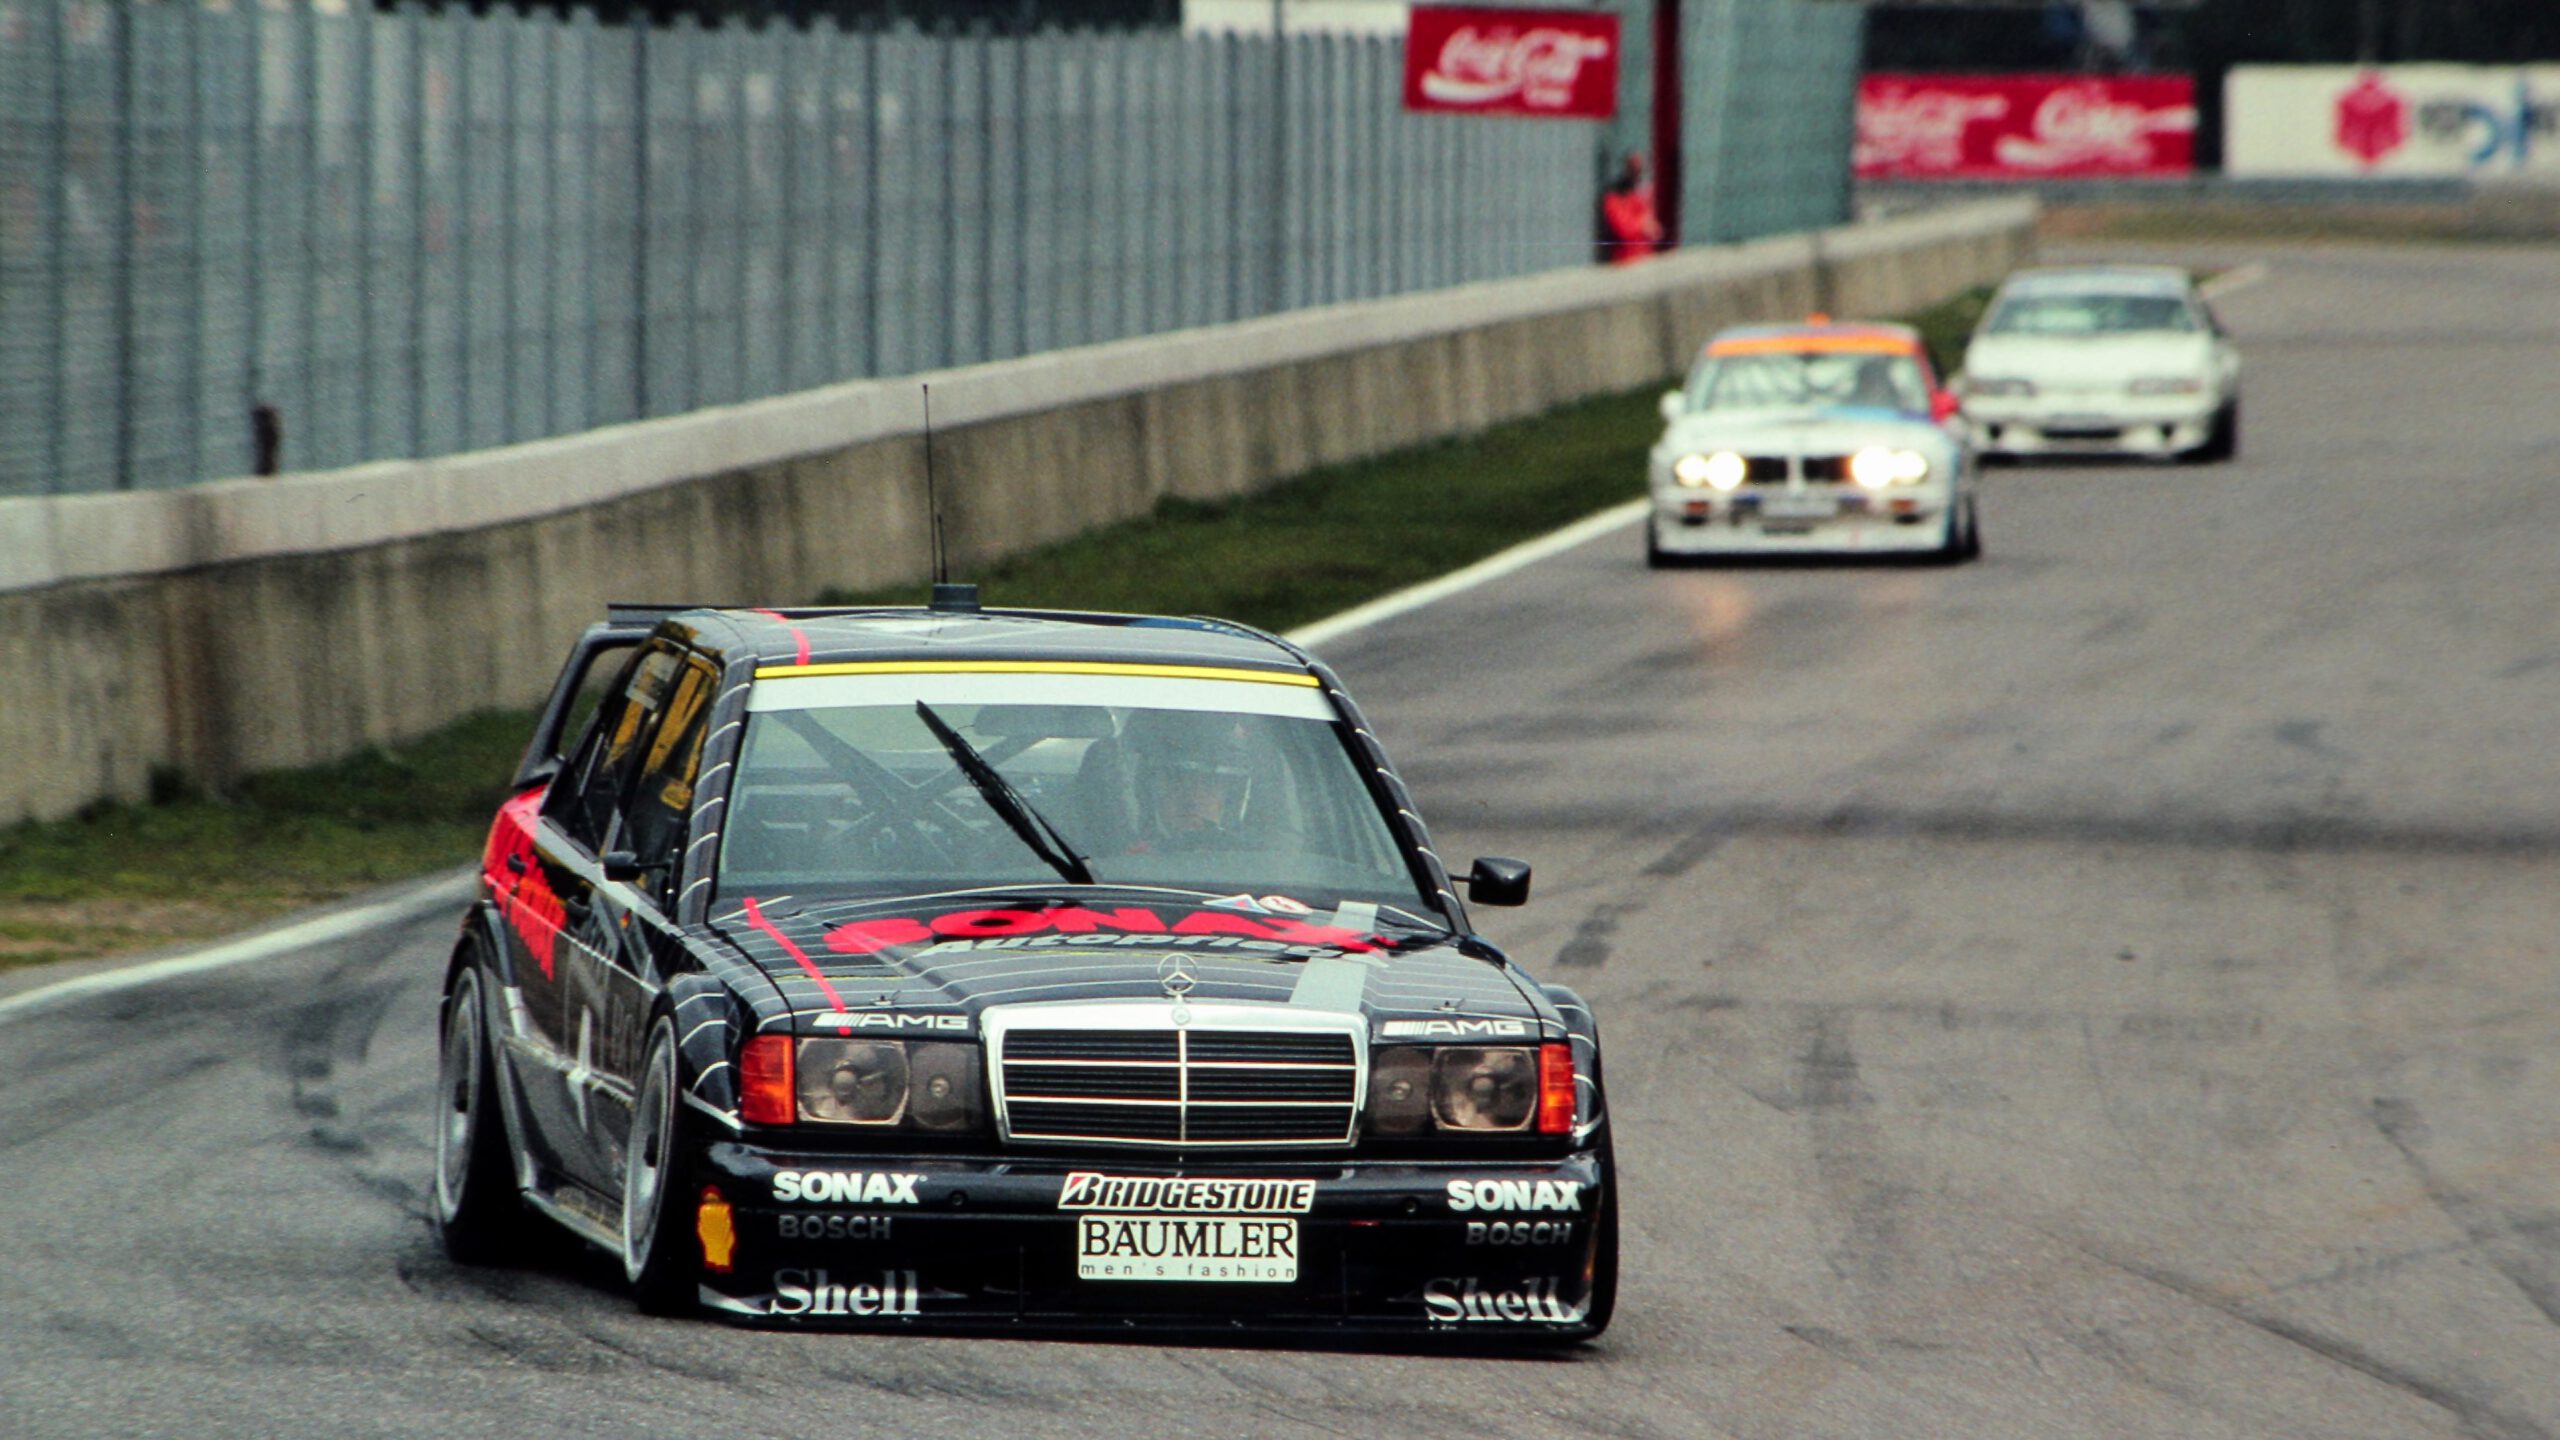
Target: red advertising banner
(1549, 64)
(2024, 127)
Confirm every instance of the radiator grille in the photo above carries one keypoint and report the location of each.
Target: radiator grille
(1179, 1087)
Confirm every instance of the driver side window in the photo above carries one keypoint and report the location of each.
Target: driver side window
(587, 800)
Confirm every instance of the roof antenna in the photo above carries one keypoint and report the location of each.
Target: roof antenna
(946, 596)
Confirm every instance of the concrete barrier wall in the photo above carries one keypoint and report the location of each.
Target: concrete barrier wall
(249, 625)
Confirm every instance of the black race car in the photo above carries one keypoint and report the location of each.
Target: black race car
(1006, 969)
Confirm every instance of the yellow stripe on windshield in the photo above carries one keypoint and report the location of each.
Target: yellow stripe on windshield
(1033, 667)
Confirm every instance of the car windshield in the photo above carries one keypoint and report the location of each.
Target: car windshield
(1786, 380)
(2090, 314)
(844, 787)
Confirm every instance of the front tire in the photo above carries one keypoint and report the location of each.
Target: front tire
(2222, 439)
(660, 1255)
(479, 1213)
(1655, 557)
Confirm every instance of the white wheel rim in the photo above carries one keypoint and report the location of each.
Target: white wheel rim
(644, 1174)
(458, 1122)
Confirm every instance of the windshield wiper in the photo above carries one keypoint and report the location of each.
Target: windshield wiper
(1032, 826)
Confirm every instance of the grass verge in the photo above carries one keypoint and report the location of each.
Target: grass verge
(120, 878)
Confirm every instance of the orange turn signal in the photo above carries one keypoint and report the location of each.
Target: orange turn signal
(766, 1095)
(718, 1229)
(1555, 1089)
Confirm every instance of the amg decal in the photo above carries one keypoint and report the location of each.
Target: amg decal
(845, 1187)
(1086, 1190)
(889, 1020)
(1464, 1301)
(1451, 1029)
(1465, 1195)
(813, 1292)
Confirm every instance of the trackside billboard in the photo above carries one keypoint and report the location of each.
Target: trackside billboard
(2391, 120)
(2024, 127)
(1535, 64)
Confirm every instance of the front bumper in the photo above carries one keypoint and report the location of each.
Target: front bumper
(1705, 522)
(1463, 1249)
(2118, 426)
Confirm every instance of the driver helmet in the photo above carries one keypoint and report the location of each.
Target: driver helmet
(1189, 772)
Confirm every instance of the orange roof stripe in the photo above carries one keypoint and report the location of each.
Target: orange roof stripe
(1870, 344)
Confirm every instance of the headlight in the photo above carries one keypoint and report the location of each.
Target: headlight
(853, 1082)
(1724, 470)
(1999, 387)
(1877, 467)
(1478, 1088)
(925, 1085)
(1472, 1089)
(1400, 1091)
(2167, 385)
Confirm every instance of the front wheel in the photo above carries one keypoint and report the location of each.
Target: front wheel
(479, 1214)
(2222, 439)
(659, 1253)
(1655, 557)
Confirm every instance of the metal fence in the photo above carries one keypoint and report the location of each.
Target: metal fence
(1771, 99)
(411, 234)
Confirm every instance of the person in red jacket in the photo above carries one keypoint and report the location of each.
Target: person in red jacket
(1629, 230)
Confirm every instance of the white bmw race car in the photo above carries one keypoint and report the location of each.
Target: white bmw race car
(1817, 438)
(2112, 360)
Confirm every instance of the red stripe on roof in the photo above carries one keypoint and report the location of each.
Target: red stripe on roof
(799, 637)
(755, 917)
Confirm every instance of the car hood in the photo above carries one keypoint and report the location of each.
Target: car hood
(929, 968)
(2109, 360)
(1831, 429)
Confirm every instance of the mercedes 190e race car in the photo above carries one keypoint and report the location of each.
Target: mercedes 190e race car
(976, 969)
(1821, 437)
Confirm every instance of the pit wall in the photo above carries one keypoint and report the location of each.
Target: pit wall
(248, 625)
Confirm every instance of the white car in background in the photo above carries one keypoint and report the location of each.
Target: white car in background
(2112, 359)
(1816, 438)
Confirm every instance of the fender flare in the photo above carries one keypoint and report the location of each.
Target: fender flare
(481, 923)
(709, 1027)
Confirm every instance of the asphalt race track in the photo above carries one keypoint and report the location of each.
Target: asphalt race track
(2104, 991)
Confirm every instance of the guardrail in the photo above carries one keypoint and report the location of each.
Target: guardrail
(248, 625)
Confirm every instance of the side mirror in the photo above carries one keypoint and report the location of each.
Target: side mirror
(1498, 881)
(1671, 404)
(621, 865)
(1944, 406)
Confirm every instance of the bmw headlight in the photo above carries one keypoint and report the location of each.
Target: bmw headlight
(1999, 387)
(1876, 467)
(1723, 470)
(2166, 385)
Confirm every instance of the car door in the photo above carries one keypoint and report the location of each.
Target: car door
(634, 945)
(564, 1036)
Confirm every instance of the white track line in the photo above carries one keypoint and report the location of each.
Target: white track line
(1492, 567)
(437, 894)
(445, 890)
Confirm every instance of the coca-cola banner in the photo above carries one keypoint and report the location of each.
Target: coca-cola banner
(2024, 127)
(1551, 64)
(2387, 120)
